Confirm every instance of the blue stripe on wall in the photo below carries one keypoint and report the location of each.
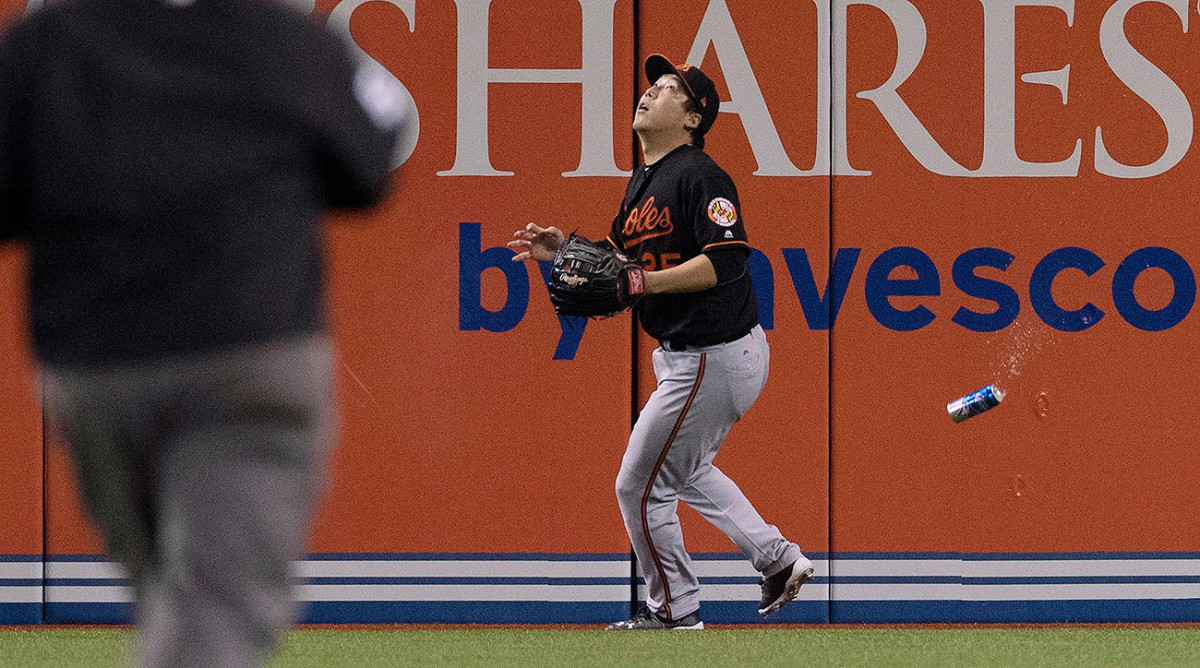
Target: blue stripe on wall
(20, 613)
(460, 612)
(527, 612)
(1083, 612)
(841, 580)
(89, 613)
(1013, 612)
(720, 612)
(461, 581)
(1065, 556)
(465, 556)
(87, 582)
(1089, 579)
(1014, 556)
(20, 558)
(897, 555)
(746, 612)
(734, 556)
(896, 612)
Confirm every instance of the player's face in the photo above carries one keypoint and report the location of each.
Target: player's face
(664, 106)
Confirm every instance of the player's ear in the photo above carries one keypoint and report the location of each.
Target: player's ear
(691, 121)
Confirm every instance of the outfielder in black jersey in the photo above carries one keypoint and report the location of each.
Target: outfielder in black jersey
(674, 210)
(682, 219)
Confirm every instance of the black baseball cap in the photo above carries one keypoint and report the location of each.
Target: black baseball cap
(698, 85)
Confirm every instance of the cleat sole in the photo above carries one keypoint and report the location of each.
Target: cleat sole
(789, 593)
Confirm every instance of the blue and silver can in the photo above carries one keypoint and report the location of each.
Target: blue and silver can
(975, 403)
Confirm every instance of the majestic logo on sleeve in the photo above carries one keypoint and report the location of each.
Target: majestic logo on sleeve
(646, 223)
(722, 212)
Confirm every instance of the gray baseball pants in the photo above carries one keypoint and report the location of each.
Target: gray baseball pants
(701, 392)
(202, 474)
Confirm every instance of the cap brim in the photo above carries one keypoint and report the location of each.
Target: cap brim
(658, 65)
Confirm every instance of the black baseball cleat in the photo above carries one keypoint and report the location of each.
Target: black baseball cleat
(781, 588)
(645, 620)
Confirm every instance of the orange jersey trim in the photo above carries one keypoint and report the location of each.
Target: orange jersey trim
(645, 237)
(725, 243)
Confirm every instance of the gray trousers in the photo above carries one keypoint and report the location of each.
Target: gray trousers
(701, 393)
(202, 474)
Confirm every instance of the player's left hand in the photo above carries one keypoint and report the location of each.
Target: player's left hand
(536, 243)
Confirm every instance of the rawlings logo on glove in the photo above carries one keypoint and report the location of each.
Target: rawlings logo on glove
(574, 281)
(592, 279)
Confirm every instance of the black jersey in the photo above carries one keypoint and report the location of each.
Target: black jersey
(673, 210)
(168, 166)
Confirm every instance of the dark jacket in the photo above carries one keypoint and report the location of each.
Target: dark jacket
(168, 167)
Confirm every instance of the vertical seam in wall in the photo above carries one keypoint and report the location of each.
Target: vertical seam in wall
(45, 532)
(634, 357)
(829, 561)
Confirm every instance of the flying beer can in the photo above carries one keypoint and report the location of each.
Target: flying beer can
(975, 403)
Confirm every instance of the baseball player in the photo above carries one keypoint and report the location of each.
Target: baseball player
(681, 219)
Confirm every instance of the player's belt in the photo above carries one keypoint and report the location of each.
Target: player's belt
(678, 346)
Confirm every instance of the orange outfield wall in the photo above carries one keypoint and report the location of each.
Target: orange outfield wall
(20, 417)
(481, 442)
(1089, 451)
(458, 439)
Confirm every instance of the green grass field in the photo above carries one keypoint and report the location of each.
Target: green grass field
(809, 648)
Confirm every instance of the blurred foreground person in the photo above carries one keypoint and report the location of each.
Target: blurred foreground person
(168, 163)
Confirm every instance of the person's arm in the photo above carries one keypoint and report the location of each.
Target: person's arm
(717, 226)
(695, 275)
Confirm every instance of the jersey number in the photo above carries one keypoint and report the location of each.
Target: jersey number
(652, 262)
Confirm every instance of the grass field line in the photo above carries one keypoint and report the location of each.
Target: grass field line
(728, 627)
(1054, 646)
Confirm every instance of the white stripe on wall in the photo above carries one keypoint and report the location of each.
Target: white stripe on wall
(896, 592)
(88, 594)
(751, 592)
(1081, 592)
(1080, 568)
(709, 592)
(960, 588)
(85, 570)
(481, 592)
(22, 570)
(740, 568)
(896, 567)
(34, 594)
(1025, 592)
(461, 569)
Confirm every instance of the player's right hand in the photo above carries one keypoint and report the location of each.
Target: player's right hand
(536, 243)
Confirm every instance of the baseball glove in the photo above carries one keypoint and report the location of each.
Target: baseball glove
(592, 279)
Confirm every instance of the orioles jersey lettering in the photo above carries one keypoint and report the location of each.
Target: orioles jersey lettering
(646, 223)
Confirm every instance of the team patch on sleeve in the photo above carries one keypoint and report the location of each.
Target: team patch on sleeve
(722, 212)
